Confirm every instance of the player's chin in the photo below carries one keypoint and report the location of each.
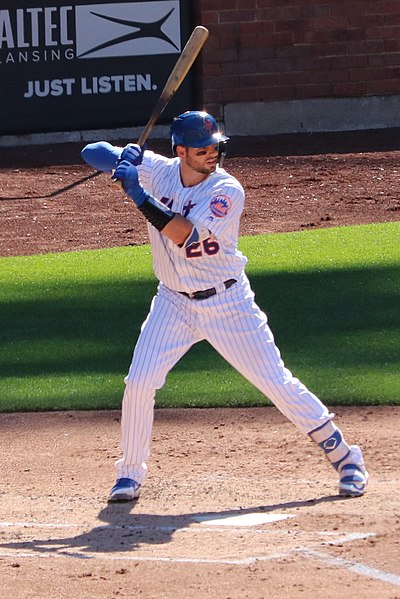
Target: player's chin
(206, 169)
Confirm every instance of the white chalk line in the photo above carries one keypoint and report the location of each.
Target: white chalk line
(187, 560)
(352, 566)
(183, 560)
(139, 527)
(307, 552)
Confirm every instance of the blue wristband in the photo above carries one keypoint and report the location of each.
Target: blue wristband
(137, 193)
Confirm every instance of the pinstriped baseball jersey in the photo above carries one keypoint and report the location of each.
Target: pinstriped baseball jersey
(229, 319)
(217, 203)
(226, 315)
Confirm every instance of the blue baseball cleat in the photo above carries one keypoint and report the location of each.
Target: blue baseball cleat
(353, 474)
(125, 489)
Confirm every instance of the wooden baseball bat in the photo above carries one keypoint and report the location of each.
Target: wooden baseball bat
(178, 74)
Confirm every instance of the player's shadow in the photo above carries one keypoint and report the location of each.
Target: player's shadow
(126, 531)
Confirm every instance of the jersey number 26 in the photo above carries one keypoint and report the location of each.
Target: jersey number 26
(208, 246)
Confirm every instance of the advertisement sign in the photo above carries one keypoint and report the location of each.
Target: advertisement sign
(66, 66)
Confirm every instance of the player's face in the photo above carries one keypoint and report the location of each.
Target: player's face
(202, 160)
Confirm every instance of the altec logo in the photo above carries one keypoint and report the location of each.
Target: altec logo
(89, 31)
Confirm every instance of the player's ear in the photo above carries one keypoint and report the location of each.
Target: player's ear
(180, 151)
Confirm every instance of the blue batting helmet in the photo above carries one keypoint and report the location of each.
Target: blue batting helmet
(195, 129)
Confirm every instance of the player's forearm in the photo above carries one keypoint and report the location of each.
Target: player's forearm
(178, 229)
(173, 225)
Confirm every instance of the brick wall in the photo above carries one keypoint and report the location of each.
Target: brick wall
(265, 50)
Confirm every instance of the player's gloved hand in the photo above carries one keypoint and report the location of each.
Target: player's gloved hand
(101, 155)
(128, 175)
(133, 153)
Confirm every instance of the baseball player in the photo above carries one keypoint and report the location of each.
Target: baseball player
(193, 208)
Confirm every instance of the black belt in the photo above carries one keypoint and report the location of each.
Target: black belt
(205, 293)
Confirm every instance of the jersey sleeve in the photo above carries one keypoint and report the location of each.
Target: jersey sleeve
(226, 205)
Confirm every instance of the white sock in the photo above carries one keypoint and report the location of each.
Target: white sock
(330, 438)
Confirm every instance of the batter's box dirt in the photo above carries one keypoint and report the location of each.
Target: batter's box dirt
(174, 542)
(231, 519)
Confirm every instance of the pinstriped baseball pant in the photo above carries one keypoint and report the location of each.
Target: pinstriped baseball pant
(236, 327)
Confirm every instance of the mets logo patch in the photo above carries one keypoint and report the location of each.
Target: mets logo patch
(220, 206)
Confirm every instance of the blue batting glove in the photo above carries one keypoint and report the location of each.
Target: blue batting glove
(133, 153)
(101, 155)
(128, 175)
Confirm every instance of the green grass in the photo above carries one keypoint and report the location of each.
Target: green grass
(68, 322)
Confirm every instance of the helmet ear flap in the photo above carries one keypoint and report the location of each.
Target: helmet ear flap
(222, 148)
(174, 145)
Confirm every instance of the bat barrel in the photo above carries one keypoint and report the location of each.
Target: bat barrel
(178, 74)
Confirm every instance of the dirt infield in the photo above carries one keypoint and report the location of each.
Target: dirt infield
(50, 201)
(237, 504)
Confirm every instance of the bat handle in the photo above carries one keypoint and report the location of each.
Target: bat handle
(158, 110)
(116, 181)
(143, 138)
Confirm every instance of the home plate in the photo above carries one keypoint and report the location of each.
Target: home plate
(253, 519)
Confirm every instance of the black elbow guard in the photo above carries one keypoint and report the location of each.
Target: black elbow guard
(156, 213)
